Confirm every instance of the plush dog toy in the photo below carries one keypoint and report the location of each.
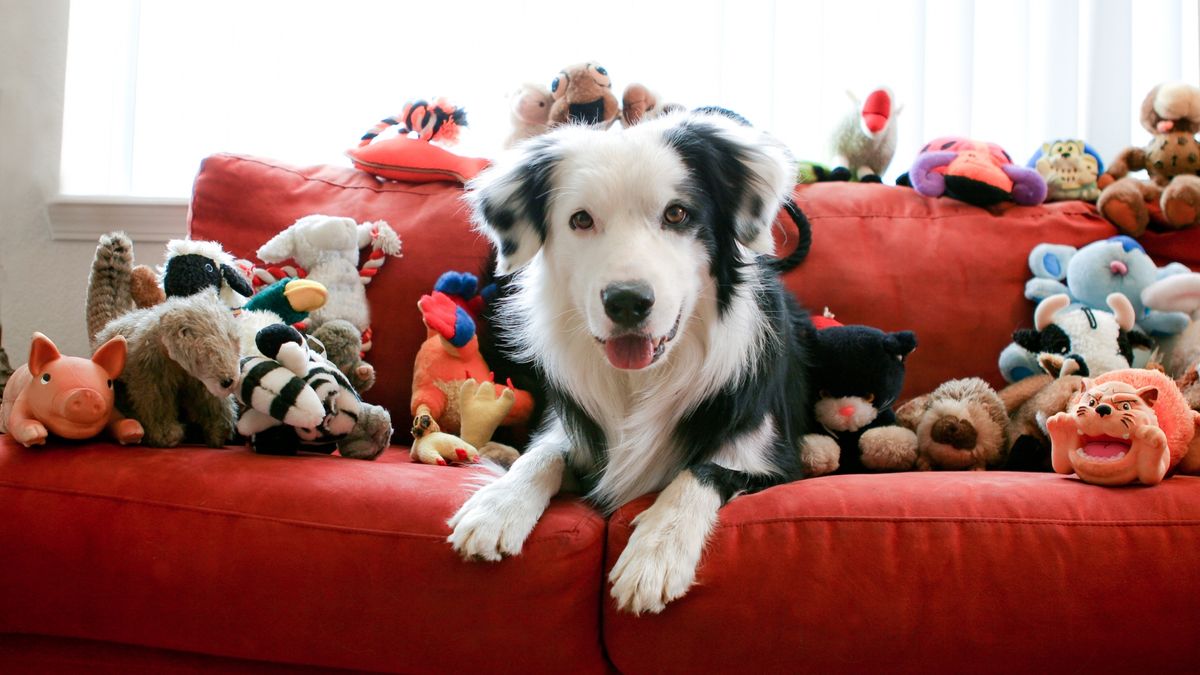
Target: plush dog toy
(449, 357)
(1171, 113)
(974, 172)
(1068, 340)
(1126, 426)
(858, 373)
(1070, 168)
(960, 425)
(68, 396)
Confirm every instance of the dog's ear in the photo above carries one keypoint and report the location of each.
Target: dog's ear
(510, 201)
(747, 172)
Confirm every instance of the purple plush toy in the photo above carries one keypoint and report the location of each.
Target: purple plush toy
(975, 172)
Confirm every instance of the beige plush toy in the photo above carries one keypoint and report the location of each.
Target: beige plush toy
(961, 425)
(481, 410)
(1171, 113)
(639, 104)
(529, 113)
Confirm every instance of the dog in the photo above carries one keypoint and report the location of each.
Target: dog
(646, 293)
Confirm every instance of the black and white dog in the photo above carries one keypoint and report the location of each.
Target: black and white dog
(647, 294)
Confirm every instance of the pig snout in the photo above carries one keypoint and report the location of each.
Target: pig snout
(83, 406)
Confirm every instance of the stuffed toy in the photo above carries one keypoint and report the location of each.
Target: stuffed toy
(294, 399)
(1126, 426)
(1070, 168)
(482, 408)
(960, 425)
(1171, 114)
(1069, 340)
(449, 357)
(529, 113)
(190, 266)
(327, 248)
(1180, 354)
(1090, 274)
(639, 104)
(417, 154)
(68, 396)
(583, 95)
(1030, 402)
(974, 172)
(865, 139)
(183, 353)
(858, 373)
(343, 347)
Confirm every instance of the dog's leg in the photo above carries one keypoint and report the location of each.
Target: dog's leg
(496, 520)
(659, 563)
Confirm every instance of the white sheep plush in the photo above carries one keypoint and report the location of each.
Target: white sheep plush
(327, 247)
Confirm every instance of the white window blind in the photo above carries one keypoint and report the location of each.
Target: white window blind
(153, 86)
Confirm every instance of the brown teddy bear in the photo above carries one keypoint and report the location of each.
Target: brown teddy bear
(583, 95)
(1171, 113)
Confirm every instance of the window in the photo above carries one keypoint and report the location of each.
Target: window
(153, 86)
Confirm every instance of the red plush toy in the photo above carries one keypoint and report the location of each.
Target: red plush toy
(414, 155)
(975, 172)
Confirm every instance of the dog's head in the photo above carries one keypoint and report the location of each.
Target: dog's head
(636, 227)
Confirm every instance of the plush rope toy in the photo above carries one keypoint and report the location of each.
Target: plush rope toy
(437, 121)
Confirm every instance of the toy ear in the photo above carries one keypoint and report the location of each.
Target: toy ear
(1044, 314)
(236, 281)
(1122, 309)
(900, 344)
(1149, 394)
(1028, 338)
(111, 356)
(41, 353)
(1176, 293)
(279, 248)
(909, 414)
(747, 172)
(1049, 261)
(510, 201)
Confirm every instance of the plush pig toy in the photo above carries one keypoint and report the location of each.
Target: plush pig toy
(68, 396)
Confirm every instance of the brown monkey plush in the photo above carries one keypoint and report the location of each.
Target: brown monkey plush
(583, 95)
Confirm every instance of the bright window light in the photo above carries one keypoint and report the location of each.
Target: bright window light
(153, 86)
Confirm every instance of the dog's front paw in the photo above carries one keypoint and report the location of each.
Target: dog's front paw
(649, 574)
(493, 523)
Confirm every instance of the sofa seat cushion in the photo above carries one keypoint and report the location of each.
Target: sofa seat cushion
(954, 273)
(312, 560)
(974, 572)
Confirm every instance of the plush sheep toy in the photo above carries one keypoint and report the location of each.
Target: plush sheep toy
(327, 247)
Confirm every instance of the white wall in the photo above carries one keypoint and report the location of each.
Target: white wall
(42, 282)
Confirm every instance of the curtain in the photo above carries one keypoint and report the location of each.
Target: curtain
(155, 85)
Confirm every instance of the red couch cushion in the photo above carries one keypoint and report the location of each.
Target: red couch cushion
(954, 273)
(244, 201)
(973, 572)
(311, 560)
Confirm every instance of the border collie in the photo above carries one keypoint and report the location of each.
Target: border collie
(646, 293)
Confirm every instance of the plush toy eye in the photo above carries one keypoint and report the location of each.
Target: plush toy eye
(1126, 406)
(582, 220)
(554, 85)
(110, 384)
(46, 377)
(209, 268)
(602, 70)
(1091, 403)
(1063, 350)
(675, 215)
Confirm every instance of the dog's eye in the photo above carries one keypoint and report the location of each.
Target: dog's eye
(675, 215)
(582, 220)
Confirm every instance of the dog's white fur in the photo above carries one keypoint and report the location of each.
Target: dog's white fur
(624, 180)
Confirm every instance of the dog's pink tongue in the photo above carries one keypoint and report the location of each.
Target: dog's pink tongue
(630, 352)
(1104, 449)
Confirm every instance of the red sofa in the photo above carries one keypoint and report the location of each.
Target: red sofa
(197, 560)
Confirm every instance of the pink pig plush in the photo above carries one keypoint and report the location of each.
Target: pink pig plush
(67, 396)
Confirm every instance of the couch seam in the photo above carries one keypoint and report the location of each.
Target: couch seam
(953, 520)
(563, 534)
(302, 176)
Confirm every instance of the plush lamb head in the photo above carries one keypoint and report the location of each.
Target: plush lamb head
(315, 239)
(193, 266)
(1080, 341)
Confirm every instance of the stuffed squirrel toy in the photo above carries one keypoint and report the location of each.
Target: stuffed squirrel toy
(1171, 113)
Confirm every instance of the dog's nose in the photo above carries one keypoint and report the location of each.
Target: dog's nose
(1103, 410)
(627, 303)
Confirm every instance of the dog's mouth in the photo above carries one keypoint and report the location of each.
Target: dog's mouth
(634, 351)
(1104, 448)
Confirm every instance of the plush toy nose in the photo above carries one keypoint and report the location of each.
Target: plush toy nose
(956, 433)
(1103, 410)
(1165, 125)
(1118, 268)
(846, 410)
(83, 406)
(627, 303)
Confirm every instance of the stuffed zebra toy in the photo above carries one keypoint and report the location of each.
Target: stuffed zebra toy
(293, 398)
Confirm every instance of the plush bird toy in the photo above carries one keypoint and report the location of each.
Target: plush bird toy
(865, 140)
